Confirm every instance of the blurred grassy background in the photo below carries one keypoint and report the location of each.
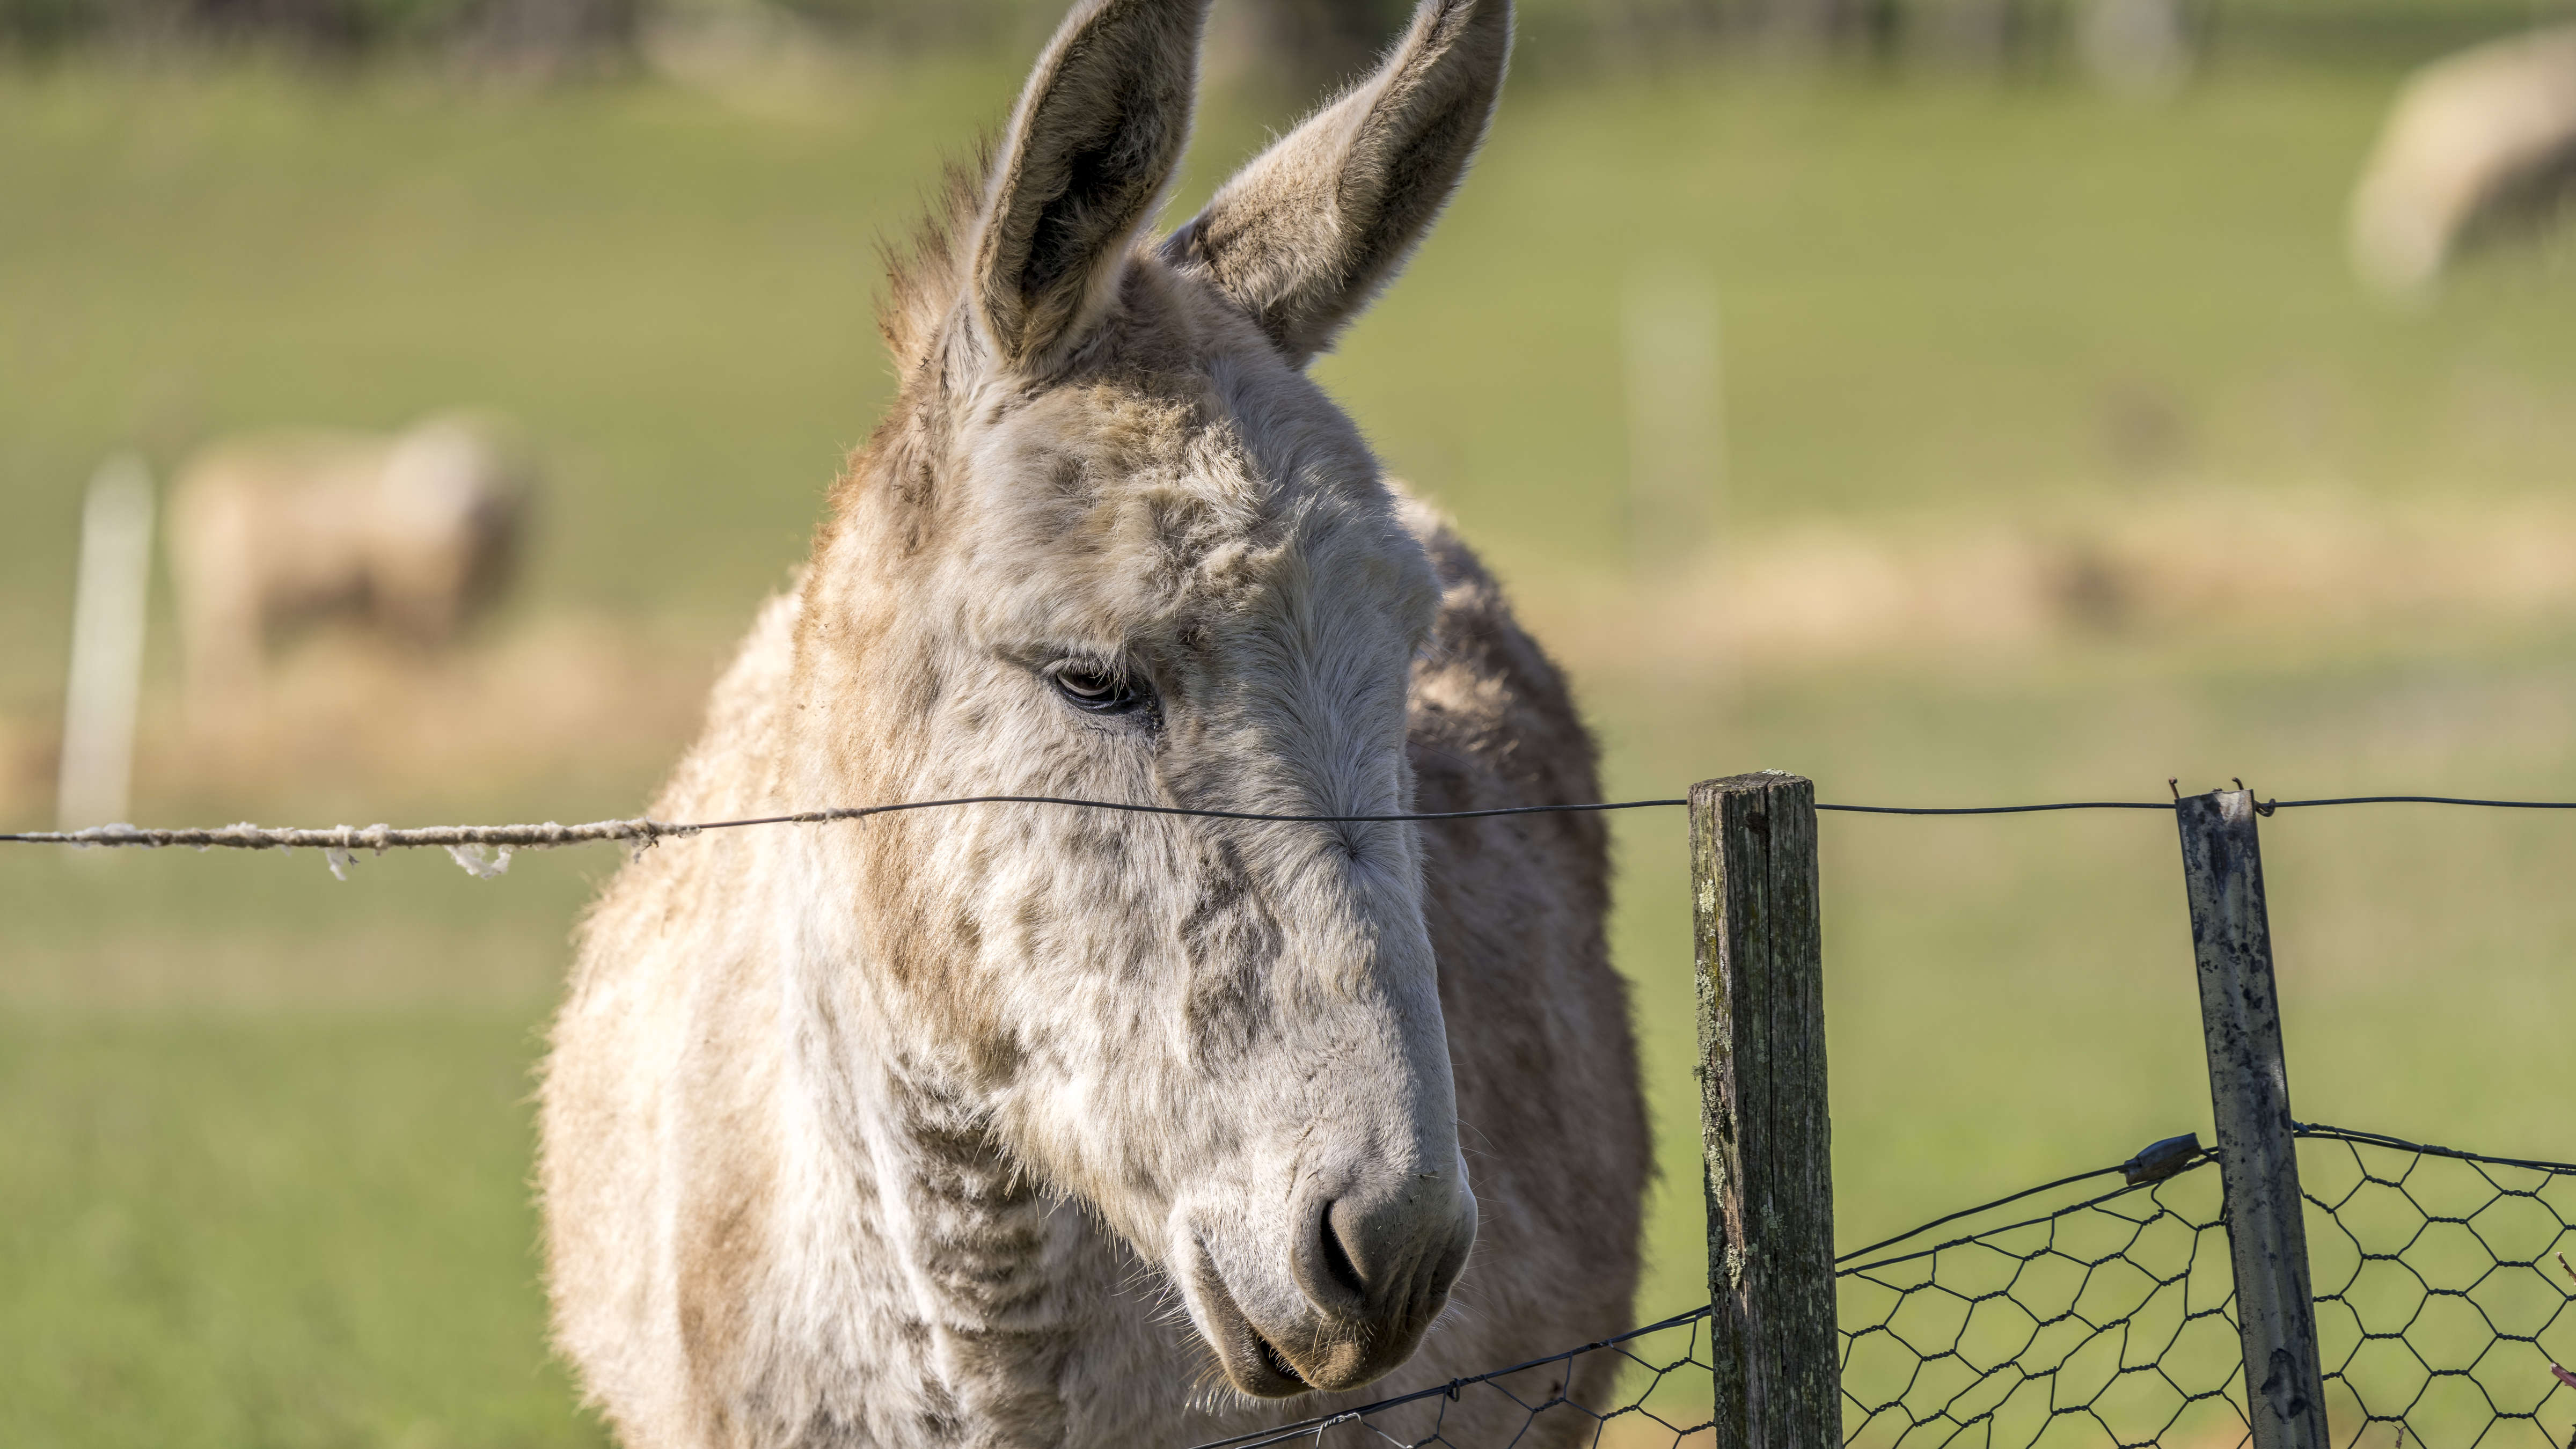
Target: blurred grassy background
(266, 1135)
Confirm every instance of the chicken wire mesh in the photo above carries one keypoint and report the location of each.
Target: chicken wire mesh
(2102, 1320)
(2064, 1315)
(2443, 1309)
(2443, 1292)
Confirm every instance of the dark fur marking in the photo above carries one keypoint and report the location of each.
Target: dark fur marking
(1233, 942)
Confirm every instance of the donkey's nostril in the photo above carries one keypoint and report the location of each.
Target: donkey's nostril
(1331, 1264)
(1338, 1267)
(1380, 1251)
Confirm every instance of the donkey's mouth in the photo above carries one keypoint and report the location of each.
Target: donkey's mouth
(1275, 1361)
(1252, 1363)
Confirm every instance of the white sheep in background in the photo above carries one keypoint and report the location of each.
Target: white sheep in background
(2485, 134)
(408, 533)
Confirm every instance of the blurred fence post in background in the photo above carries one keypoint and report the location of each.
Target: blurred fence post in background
(1676, 421)
(2249, 1092)
(2136, 47)
(107, 646)
(1766, 1135)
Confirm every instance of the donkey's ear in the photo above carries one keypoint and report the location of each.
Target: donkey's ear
(1092, 144)
(1307, 233)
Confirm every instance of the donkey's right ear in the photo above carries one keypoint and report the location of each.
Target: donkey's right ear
(1307, 233)
(1092, 144)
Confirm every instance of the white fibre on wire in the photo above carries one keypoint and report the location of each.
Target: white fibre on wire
(479, 862)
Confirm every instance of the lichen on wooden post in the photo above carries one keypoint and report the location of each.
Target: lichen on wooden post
(1766, 1134)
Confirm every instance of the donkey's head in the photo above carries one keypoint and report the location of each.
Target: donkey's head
(1112, 543)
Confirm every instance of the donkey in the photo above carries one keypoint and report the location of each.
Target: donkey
(1023, 1125)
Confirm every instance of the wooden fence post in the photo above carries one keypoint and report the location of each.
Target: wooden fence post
(1764, 1129)
(2249, 1094)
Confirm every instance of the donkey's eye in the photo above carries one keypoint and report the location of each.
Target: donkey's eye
(1097, 691)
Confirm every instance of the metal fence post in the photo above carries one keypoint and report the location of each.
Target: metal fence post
(2249, 1094)
(1764, 1130)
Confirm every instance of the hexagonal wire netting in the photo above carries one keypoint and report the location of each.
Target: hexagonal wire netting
(2104, 1320)
(2441, 1294)
(2445, 1304)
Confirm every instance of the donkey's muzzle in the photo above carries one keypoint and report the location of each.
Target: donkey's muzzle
(1366, 1277)
(1375, 1262)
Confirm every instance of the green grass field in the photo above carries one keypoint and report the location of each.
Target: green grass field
(266, 1138)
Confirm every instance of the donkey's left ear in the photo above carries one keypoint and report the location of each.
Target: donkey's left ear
(1304, 236)
(1093, 142)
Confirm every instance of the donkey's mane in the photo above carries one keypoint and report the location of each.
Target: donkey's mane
(922, 278)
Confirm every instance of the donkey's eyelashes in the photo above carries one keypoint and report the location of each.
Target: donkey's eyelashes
(1095, 689)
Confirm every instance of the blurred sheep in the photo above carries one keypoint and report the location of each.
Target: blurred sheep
(2481, 137)
(409, 533)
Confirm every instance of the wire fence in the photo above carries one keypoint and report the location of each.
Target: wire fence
(484, 850)
(2443, 1289)
(2442, 1293)
(2443, 1307)
(2064, 1316)
(2104, 1319)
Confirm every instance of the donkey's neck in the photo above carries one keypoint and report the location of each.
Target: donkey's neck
(992, 1264)
(968, 1298)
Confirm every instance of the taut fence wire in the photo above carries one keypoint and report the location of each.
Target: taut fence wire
(342, 841)
(645, 831)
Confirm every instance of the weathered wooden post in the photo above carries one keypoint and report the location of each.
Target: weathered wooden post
(1765, 1133)
(97, 769)
(2249, 1094)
